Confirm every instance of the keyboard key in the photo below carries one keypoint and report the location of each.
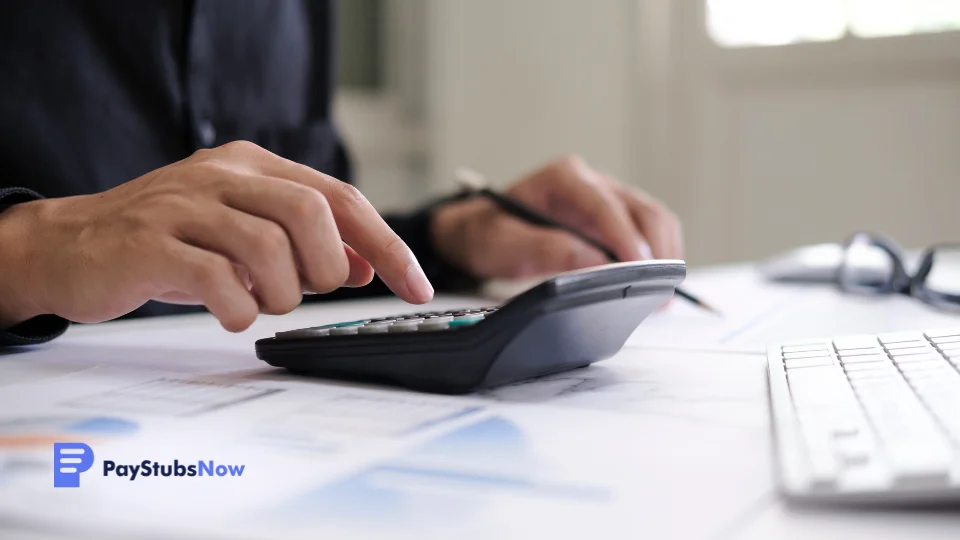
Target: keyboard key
(860, 352)
(834, 421)
(817, 380)
(918, 379)
(916, 358)
(868, 366)
(899, 337)
(866, 358)
(906, 345)
(824, 466)
(911, 363)
(806, 354)
(920, 463)
(896, 353)
(867, 380)
(946, 339)
(855, 342)
(808, 362)
(944, 386)
(862, 381)
(942, 333)
(803, 347)
(855, 450)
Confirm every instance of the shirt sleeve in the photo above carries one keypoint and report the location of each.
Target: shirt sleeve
(38, 329)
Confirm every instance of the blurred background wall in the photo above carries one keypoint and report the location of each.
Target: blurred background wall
(764, 124)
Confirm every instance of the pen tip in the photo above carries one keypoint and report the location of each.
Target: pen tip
(710, 308)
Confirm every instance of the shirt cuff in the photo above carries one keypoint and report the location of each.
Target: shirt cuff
(10, 196)
(33, 331)
(42, 328)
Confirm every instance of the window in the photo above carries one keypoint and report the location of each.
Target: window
(744, 23)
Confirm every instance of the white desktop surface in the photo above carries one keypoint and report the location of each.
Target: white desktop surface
(668, 439)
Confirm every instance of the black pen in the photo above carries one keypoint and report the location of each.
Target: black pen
(476, 184)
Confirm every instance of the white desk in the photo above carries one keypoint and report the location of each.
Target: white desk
(669, 439)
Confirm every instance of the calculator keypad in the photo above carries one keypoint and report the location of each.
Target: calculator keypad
(415, 322)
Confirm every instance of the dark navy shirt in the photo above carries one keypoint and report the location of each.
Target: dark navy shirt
(94, 93)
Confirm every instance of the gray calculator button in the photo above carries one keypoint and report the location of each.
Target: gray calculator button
(435, 324)
(376, 328)
(345, 331)
(405, 326)
(303, 333)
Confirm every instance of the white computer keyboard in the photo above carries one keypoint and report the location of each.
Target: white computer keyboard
(868, 418)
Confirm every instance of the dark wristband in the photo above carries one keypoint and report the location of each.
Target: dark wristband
(42, 328)
(39, 329)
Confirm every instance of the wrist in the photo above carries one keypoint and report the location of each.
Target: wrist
(17, 303)
(449, 230)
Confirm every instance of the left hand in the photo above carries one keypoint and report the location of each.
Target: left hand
(488, 243)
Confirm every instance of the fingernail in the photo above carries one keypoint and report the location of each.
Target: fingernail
(645, 252)
(418, 284)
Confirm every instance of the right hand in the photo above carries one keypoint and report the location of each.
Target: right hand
(236, 228)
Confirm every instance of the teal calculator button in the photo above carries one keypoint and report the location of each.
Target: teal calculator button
(466, 321)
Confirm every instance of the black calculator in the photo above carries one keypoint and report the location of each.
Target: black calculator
(568, 321)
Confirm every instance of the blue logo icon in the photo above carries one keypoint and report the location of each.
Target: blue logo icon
(69, 460)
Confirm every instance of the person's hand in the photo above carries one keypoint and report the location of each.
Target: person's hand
(488, 243)
(237, 228)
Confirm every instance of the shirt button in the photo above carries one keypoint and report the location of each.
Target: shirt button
(207, 133)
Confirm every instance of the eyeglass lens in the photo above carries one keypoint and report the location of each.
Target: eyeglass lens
(938, 278)
(869, 266)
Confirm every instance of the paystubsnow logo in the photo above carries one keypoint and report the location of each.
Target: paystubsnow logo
(69, 460)
(72, 458)
(147, 468)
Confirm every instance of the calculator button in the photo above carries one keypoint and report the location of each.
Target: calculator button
(375, 328)
(434, 324)
(343, 324)
(304, 333)
(405, 326)
(465, 320)
(345, 330)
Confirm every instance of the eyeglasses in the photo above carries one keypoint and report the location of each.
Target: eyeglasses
(873, 264)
